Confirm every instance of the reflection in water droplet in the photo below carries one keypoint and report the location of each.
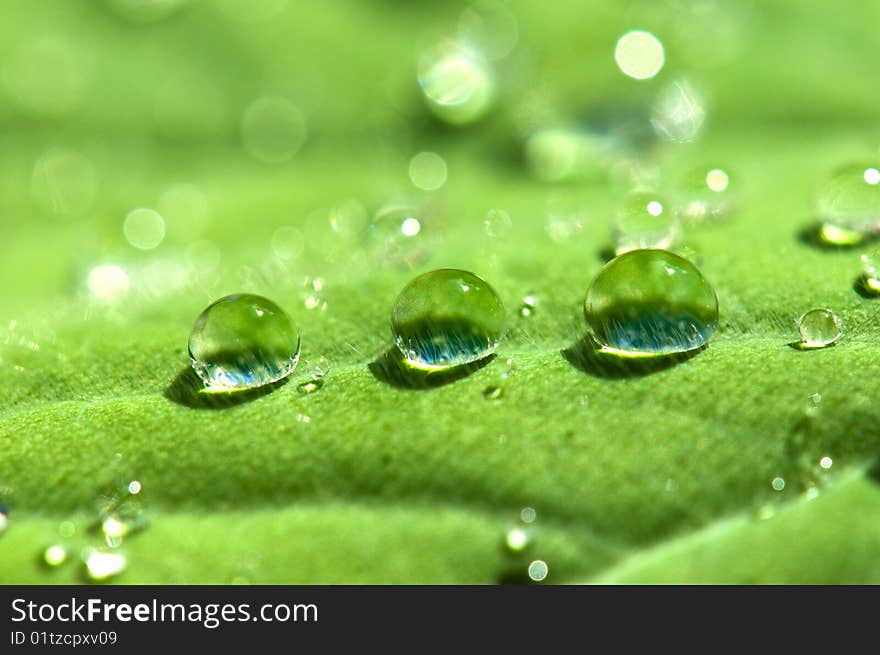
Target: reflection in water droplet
(819, 328)
(446, 318)
(457, 83)
(679, 112)
(144, 228)
(527, 308)
(427, 171)
(103, 565)
(644, 220)
(639, 54)
(243, 341)
(310, 386)
(273, 129)
(538, 570)
(108, 282)
(650, 302)
(55, 555)
(64, 182)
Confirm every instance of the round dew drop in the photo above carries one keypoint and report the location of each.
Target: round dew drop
(243, 341)
(819, 328)
(447, 318)
(645, 220)
(650, 303)
(850, 201)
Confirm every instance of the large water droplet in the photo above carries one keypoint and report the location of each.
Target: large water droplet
(538, 570)
(243, 341)
(850, 200)
(446, 318)
(650, 302)
(644, 220)
(819, 328)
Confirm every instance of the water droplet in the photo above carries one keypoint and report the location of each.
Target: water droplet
(516, 540)
(497, 224)
(510, 370)
(870, 280)
(819, 328)
(397, 230)
(303, 418)
(457, 83)
(835, 235)
(528, 515)
(103, 565)
(848, 204)
(679, 112)
(243, 341)
(64, 182)
(826, 462)
(639, 54)
(4, 521)
(650, 302)
(705, 195)
(134, 487)
(778, 484)
(114, 529)
(273, 129)
(644, 220)
(108, 282)
(55, 555)
(427, 171)
(527, 308)
(538, 570)
(144, 228)
(493, 393)
(310, 386)
(446, 318)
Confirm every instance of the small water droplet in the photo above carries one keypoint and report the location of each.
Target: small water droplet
(310, 386)
(644, 220)
(457, 83)
(516, 540)
(679, 112)
(819, 328)
(446, 318)
(650, 302)
(528, 515)
(538, 570)
(427, 171)
(67, 529)
(55, 555)
(527, 308)
(825, 463)
(493, 393)
(134, 487)
(144, 228)
(870, 281)
(243, 341)
(510, 368)
(4, 521)
(497, 224)
(778, 484)
(303, 418)
(639, 54)
(848, 204)
(103, 565)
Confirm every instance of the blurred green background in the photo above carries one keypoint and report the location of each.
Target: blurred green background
(157, 155)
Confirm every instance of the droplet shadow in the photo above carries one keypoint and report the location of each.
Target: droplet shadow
(392, 369)
(811, 235)
(862, 286)
(188, 390)
(586, 355)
